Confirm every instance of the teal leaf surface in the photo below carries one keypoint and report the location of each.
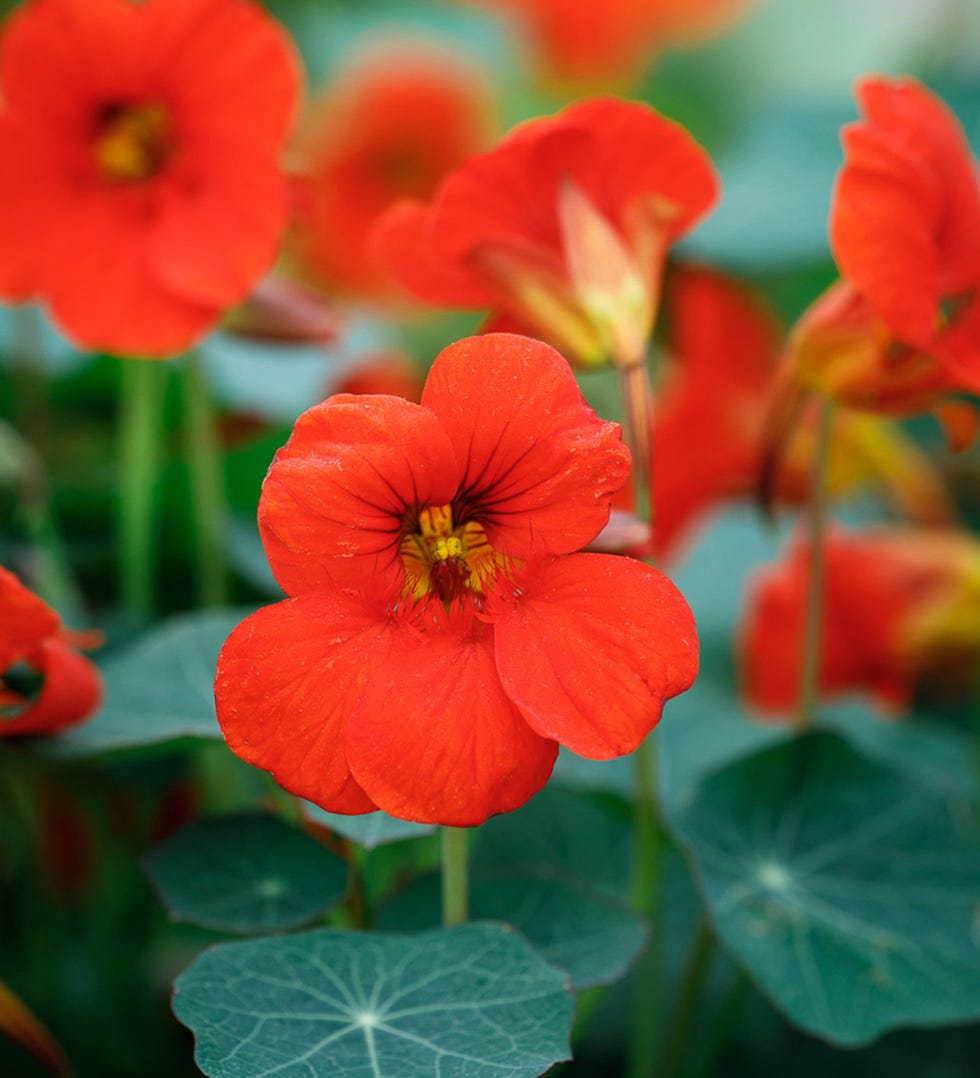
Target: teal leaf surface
(848, 891)
(593, 937)
(158, 689)
(467, 1002)
(245, 873)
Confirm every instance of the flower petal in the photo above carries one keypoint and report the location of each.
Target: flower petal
(335, 502)
(540, 466)
(435, 739)
(72, 690)
(25, 620)
(591, 648)
(288, 678)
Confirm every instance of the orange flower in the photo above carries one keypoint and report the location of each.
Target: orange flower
(34, 645)
(391, 126)
(901, 331)
(582, 40)
(140, 192)
(563, 229)
(898, 606)
(711, 412)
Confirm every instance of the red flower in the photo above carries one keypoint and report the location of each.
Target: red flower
(563, 229)
(392, 126)
(897, 606)
(902, 330)
(443, 636)
(140, 193)
(34, 643)
(709, 422)
(577, 39)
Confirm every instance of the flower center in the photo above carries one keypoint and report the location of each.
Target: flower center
(133, 142)
(447, 560)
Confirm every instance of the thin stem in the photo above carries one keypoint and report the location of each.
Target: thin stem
(140, 437)
(637, 393)
(726, 1021)
(455, 876)
(207, 486)
(680, 1025)
(816, 534)
(647, 899)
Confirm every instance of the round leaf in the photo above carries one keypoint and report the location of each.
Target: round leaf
(370, 830)
(249, 873)
(594, 938)
(467, 1002)
(848, 891)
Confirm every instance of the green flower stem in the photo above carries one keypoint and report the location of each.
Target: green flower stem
(817, 531)
(725, 1023)
(637, 394)
(140, 438)
(647, 899)
(455, 876)
(207, 486)
(679, 1039)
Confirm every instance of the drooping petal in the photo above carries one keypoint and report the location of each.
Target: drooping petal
(539, 467)
(334, 503)
(25, 620)
(434, 738)
(71, 691)
(591, 647)
(288, 679)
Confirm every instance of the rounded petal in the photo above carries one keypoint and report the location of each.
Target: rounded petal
(336, 500)
(591, 647)
(539, 466)
(71, 692)
(288, 678)
(434, 737)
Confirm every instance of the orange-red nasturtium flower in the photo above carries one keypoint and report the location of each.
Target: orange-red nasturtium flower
(140, 188)
(900, 332)
(34, 644)
(443, 634)
(391, 126)
(583, 40)
(899, 605)
(723, 343)
(562, 229)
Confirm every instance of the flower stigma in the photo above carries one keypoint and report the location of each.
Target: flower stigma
(133, 141)
(449, 561)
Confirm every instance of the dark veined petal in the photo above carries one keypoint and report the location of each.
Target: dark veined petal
(434, 738)
(591, 647)
(539, 467)
(336, 497)
(287, 681)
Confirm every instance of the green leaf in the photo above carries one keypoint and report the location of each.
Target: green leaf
(370, 830)
(594, 938)
(467, 1002)
(850, 892)
(158, 689)
(245, 873)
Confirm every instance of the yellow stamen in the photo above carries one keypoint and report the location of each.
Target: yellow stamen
(133, 142)
(449, 561)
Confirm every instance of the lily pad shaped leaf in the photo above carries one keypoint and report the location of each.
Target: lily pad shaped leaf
(245, 873)
(848, 891)
(592, 936)
(158, 689)
(467, 1002)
